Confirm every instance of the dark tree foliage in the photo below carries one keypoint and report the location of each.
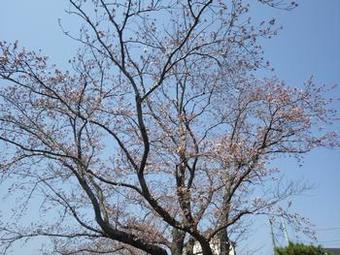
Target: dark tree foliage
(300, 249)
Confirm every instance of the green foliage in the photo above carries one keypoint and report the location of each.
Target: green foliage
(300, 249)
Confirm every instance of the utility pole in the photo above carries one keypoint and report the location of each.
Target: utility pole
(284, 227)
(273, 236)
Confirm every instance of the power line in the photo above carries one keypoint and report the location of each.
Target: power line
(330, 241)
(328, 229)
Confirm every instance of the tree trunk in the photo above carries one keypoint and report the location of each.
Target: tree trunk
(225, 245)
(223, 241)
(206, 250)
(177, 242)
(189, 247)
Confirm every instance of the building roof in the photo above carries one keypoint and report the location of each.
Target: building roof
(333, 251)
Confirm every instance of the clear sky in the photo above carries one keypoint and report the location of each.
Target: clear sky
(308, 45)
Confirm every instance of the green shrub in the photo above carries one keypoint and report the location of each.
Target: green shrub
(300, 249)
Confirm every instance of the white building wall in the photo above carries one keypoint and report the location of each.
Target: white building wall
(197, 250)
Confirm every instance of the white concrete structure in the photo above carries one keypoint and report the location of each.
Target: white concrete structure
(215, 246)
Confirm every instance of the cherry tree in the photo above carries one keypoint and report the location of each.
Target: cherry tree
(158, 135)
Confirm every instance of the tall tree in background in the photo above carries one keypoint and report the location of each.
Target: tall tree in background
(159, 136)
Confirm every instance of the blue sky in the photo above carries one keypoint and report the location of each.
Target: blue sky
(308, 45)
